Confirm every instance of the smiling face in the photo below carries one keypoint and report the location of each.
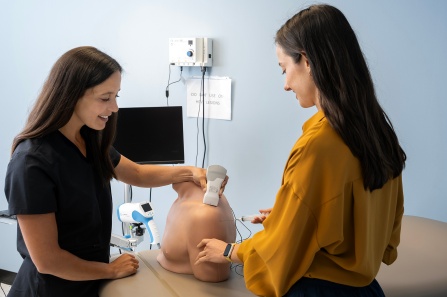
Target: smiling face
(298, 78)
(97, 104)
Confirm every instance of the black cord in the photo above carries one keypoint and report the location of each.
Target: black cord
(197, 124)
(203, 115)
(239, 268)
(237, 230)
(197, 138)
(202, 97)
(170, 83)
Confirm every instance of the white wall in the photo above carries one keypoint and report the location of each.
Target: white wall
(404, 42)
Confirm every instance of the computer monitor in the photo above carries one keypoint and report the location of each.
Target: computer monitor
(151, 135)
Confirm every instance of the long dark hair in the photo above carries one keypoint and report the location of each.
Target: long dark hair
(73, 73)
(347, 94)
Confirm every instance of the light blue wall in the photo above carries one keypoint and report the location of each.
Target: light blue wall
(405, 43)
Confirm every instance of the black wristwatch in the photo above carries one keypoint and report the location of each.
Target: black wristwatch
(228, 251)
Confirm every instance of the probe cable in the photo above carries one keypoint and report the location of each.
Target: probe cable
(203, 115)
(202, 96)
(239, 267)
(170, 83)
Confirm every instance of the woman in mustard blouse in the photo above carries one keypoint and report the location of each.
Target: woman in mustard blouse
(338, 212)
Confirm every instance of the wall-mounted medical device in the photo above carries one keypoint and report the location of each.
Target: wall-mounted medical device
(191, 52)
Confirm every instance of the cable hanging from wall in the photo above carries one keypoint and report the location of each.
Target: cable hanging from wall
(201, 108)
(170, 83)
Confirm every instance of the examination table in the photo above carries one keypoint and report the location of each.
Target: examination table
(421, 266)
(153, 280)
(419, 271)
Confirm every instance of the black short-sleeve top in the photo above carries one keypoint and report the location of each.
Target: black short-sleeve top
(49, 174)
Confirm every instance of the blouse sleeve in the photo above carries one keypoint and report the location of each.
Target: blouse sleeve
(390, 254)
(282, 252)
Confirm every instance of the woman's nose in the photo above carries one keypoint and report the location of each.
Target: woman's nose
(113, 105)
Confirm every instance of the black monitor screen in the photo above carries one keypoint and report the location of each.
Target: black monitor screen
(151, 135)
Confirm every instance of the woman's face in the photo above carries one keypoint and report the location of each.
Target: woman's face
(298, 78)
(98, 103)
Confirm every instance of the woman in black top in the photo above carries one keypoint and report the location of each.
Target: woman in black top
(58, 180)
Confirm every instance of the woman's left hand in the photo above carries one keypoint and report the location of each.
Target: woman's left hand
(213, 250)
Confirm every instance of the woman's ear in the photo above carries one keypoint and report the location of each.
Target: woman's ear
(306, 61)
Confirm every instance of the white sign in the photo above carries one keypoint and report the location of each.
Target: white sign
(214, 91)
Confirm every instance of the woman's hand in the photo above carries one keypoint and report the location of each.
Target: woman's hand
(124, 265)
(199, 177)
(213, 250)
(41, 238)
(222, 187)
(264, 214)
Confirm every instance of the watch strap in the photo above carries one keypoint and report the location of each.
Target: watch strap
(228, 251)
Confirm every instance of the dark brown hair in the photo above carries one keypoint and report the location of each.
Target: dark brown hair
(73, 73)
(347, 94)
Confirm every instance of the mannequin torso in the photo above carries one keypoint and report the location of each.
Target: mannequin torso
(188, 222)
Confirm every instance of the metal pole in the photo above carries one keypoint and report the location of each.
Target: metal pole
(127, 199)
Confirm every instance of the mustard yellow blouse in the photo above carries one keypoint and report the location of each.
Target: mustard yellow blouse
(324, 224)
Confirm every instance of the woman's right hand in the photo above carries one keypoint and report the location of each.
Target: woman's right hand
(264, 214)
(124, 265)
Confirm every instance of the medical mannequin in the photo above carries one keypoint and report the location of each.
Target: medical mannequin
(188, 222)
